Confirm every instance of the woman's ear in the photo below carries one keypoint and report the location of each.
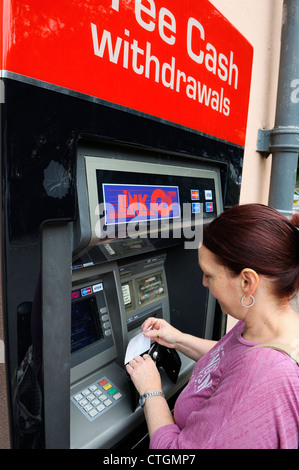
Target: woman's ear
(249, 281)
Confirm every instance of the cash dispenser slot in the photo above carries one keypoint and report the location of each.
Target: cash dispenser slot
(137, 320)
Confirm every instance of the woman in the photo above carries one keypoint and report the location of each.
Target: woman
(238, 396)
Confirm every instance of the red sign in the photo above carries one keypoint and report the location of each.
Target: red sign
(179, 61)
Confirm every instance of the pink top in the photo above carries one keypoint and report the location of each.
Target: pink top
(236, 401)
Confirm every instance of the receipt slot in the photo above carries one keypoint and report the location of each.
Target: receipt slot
(131, 261)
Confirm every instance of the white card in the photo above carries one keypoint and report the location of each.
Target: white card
(138, 345)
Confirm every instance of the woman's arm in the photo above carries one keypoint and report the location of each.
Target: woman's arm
(194, 347)
(166, 335)
(146, 378)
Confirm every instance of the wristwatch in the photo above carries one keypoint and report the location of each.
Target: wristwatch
(142, 398)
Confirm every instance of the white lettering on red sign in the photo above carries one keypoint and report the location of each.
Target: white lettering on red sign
(214, 61)
(200, 64)
(143, 62)
(145, 16)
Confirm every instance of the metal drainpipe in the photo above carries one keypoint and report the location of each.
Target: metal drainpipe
(283, 140)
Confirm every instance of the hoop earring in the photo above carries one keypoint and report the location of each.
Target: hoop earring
(252, 301)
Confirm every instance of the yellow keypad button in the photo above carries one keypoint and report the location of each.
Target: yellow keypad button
(107, 386)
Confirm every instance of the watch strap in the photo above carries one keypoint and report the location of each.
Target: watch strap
(149, 394)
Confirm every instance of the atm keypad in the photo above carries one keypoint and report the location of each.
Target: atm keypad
(97, 398)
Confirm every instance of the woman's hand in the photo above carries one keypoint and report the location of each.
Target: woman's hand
(161, 332)
(144, 374)
(146, 378)
(166, 335)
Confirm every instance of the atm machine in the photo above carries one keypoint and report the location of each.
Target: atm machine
(135, 238)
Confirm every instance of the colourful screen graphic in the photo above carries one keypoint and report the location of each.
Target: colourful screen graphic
(125, 202)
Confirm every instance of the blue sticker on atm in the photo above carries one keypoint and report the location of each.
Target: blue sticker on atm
(195, 208)
(127, 202)
(86, 291)
(76, 294)
(209, 207)
(97, 287)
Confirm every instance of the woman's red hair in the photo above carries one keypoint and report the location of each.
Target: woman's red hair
(258, 237)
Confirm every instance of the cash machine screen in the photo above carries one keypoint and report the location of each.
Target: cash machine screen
(136, 207)
(91, 331)
(123, 202)
(86, 327)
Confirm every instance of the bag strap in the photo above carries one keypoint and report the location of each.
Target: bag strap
(280, 347)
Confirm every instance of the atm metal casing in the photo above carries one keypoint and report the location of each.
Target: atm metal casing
(131, 275)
